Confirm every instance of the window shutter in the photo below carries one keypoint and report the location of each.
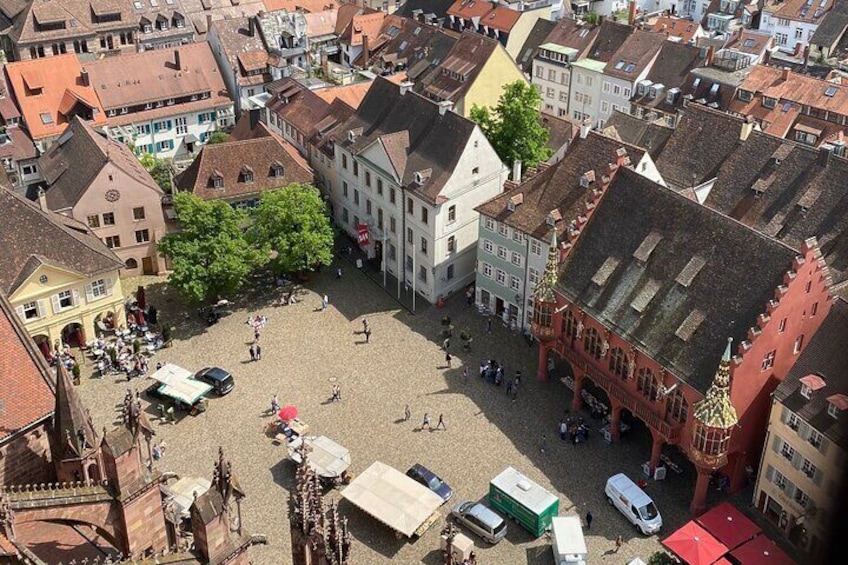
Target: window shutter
(804, 430)
(89, 296)
(797, 460)
(784, 417)
(75, 297)
(19, 310)
(769, 473)
(776, 444)
(108, 283)
(42, 307)
(823, 447)
(56, 306)
(817, 477)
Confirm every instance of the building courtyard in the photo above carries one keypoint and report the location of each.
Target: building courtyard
(305, 352)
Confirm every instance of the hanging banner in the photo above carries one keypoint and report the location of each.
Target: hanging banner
(362, 231)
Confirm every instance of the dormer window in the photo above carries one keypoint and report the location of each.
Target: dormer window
(806, 391)
(217, 180)
(246, 175)
(746, 95)
(836, 404)
(277, 170)
(769, 102)
(420, 177)
(553, 217)
(832, 411)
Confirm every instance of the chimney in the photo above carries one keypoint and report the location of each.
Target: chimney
(445, 106)
(516, 171)
(177, 64)
(767, 57)
(42, 200)
(251, 26)
(823, 160)
(405, 87)
(253, 116)
(708, 62)
(84, 80)
(784, 73)
(585, 128)
(208, 21)
(806, 57)
(747, 128)
(366, 53)
(631, 14)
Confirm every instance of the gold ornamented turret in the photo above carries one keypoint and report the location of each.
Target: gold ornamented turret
(544, 292)
(716, 410)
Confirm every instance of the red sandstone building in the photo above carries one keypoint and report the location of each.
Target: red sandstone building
(642, 301)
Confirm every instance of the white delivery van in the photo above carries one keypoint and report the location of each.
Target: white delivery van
(567, 541)
(632, 501)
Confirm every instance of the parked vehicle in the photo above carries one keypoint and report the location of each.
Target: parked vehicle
(567, 541)
(634, 503)
(429, 479)
(527, 502)
(222, 381)
(478, 518)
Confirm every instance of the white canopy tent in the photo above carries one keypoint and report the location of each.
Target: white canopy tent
(178, 384)
(392, 498)
(326, 457)
(170, 373)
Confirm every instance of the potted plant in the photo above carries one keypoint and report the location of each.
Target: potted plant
(136, 346)
(75, 371)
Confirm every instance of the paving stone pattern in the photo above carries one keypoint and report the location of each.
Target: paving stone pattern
(306, 351)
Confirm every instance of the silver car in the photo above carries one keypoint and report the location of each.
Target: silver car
(481, 520)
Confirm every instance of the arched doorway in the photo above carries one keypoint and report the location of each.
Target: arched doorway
(94, 472)
(73, 335)
(43, 343)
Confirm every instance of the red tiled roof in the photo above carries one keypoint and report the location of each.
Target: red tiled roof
(26, 392)
(486, 13)
(815, 382)
(305, 5)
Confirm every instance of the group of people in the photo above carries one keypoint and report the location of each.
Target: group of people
(119, 356)
(493, 372)
(573, 428)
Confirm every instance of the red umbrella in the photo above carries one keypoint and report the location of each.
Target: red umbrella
(728, 525)
(287, 413)
(140, 298)
(695, 545)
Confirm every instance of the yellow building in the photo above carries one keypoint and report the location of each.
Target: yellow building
(61, 280)
(803, 464)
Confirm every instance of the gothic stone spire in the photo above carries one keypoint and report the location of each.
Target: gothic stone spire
(716, 410)
(73, 432)
(545, 289)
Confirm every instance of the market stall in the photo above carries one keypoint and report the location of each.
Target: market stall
(327, 458)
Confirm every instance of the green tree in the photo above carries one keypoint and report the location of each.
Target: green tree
(211, 255)
(159, 169)
(662, 558)
(592, 18)
(513, 127)
(293, 221)
(219, 137)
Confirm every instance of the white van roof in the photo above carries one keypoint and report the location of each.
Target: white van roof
(629, 489)
(525, 491)
(567, 533)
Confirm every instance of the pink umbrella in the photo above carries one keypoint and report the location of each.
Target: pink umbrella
(287, 413)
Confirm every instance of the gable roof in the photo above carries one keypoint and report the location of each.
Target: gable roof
(44, 87)
(261, 156)
(76, 14)
(27, 391)
(28, 232)
(788, 191)
(634, 55)
(439, 8)
(488, 14)
(574, 34)
(305, 5)
(71, 164)
(650, 135)
(699, 145)
(237, 42)
(825, 356)
(611, 36)
(436, 140)
(296, 104)
(452, 77)
(655, 233)
(408, 44)
(541, 29)
(559, 187)
(832, 28)
(670, 26)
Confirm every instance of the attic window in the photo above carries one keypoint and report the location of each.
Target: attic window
(630, 67)
(277, 170)
(420, 177)
(690, 324)
(806, 391)
(769, 102)
(553, 217)
(246, 175)
(587, 178)
(746, 95)
(643, 252)
(619, 65)
(810, 384)
(831, 91)
(217, 180)
(514, 201)
(603, 274)
(46, 118)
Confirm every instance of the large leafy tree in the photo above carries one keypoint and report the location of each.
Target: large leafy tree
(211, 256)
(513, 126)
(293, 221)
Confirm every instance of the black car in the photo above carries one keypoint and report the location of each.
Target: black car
(429, 479)
(221, 380)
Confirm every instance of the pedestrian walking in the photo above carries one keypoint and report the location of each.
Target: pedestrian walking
(253, 352)
(543, 446)
(563, 430)
(426, 422)
(469, 296)
(407, 414)
(364, 325)
(338, 273)
(367, 336)
(337, 393)
(489, 326)
(258, 352)
(589, 519)
(441, 423)
(448, 359)
(275, 404)
(256, 334)
(465, 373)
(446, 344)
(324, 303)
(619, 541)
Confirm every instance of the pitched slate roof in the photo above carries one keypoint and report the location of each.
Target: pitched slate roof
(28, 233)
(654, 234)
(437, 7)
(671, 69)
(574, 34)
(832, 28)
(452, 78)
(699, 145)
(634, 55)
(71, 164)
(827, 357)
(609, 39)
(261, 156)
(436, 141)
(559, 188)
(297, 105)
(788, 191)
(541, 29)
(411, 45)
(650, 135)
(27, 391)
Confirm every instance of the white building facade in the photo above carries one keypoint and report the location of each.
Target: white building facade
(584, 97)
(552, 77)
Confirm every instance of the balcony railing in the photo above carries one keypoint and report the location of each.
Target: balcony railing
(638, 407)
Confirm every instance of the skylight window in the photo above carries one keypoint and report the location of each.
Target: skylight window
(831, 91)
(137, 5)
(749, 43)
(630, 67)
(619, 65)
(46, 118)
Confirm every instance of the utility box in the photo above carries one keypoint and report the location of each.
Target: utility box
(524, 500)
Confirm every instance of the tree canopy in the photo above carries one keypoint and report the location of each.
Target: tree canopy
(293, 221)
(159, 169)
(211, 255)
(513, 127)
(219, 137)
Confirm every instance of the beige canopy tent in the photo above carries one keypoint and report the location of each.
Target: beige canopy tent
(326, 457)
(178, 384)
(393, 498)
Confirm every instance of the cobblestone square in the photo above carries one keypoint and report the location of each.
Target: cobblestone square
(306, 351)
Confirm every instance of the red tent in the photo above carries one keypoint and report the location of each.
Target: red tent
(729, 525)
(761, 551)
(287, 413)
(723, 561)
(695, 545)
